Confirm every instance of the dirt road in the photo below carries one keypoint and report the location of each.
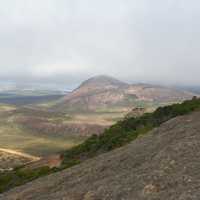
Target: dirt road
(25, 155)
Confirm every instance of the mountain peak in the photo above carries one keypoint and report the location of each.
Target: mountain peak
(101, 80)
(104, 92)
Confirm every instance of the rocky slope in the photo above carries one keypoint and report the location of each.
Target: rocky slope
(106, 93)
(161, 165)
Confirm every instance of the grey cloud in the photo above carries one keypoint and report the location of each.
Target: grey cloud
(67, 41)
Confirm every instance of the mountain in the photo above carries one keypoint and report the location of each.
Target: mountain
(160, 165)
(97, 93)
(159, 94)
(104, 93)
(98, 82)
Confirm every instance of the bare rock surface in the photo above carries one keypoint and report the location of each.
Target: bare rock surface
(163, 165)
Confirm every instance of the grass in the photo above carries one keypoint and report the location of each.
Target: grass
(5, 107)
(100, 118)
(14, 137)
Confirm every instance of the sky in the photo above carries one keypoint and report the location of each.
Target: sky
(68, 41)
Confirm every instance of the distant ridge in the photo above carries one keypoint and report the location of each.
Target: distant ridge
(105, 92)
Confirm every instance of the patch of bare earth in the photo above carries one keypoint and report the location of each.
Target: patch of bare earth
(10, 159)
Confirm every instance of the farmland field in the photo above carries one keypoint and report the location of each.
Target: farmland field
(20, 100)
(15, 136)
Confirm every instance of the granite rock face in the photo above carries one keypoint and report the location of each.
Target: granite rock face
(163, 165)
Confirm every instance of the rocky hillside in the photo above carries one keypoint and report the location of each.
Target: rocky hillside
(103, 93)
(161, 165)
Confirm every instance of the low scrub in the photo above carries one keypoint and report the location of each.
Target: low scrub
(116, 136)
(127, 130)
(20, 176)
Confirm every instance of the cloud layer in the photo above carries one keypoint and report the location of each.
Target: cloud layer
(67, 41)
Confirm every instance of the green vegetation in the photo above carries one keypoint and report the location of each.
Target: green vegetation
(19, 131)
(20, 177)
(16, 137)
(116, 136)
(127, 130)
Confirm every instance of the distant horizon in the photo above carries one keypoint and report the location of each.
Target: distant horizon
(67, 87)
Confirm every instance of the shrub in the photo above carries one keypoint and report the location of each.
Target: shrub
(127, 130)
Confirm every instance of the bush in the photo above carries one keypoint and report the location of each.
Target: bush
(127, 130)
(20, 177)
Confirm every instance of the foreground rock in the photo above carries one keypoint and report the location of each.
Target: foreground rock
(164, 165)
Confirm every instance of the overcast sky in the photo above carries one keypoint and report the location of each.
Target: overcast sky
(67, 41)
